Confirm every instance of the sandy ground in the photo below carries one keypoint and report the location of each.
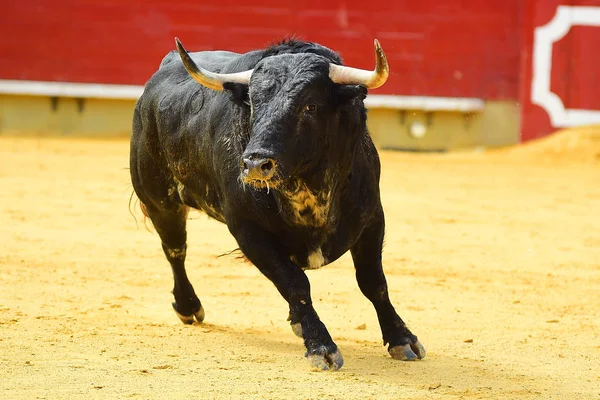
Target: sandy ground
(493, 260)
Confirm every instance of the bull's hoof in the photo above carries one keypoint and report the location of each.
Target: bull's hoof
(323, 360)
(297, 329)
(189, 319)
(408, 352)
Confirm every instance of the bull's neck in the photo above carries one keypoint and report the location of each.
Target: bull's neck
(312, 200)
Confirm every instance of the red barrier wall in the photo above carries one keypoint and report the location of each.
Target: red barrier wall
(435, 47)
(570, 95)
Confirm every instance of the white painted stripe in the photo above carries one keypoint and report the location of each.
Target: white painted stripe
(425, 103)
(68, 89)
(544, 38)
(133, 92)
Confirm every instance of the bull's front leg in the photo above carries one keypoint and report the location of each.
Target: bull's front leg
(366, 253)
(263, 250)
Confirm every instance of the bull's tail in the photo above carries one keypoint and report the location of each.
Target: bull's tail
(132, 204)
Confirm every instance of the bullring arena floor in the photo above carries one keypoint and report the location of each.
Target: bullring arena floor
(492, 258)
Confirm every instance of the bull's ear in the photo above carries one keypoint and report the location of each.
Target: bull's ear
(347, 93)
(238, 92)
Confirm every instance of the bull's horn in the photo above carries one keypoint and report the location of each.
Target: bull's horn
(355, 76)
(206, 78)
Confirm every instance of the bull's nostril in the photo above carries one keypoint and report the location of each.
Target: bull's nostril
(267, 166)
(258, 169)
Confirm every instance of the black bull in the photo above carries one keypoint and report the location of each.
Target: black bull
(274, 144)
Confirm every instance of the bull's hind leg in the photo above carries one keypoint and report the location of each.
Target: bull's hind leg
(366, 253)
(168, 215)
(170, 225)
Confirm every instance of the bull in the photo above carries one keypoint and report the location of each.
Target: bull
(274, 144)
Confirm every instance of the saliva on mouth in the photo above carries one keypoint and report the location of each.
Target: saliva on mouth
(260, 184)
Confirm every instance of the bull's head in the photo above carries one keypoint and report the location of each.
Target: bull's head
(302, 108)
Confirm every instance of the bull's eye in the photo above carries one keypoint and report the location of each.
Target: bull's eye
(310, 108)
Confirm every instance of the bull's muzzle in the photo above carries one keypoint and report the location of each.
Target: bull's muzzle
(258, 169)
